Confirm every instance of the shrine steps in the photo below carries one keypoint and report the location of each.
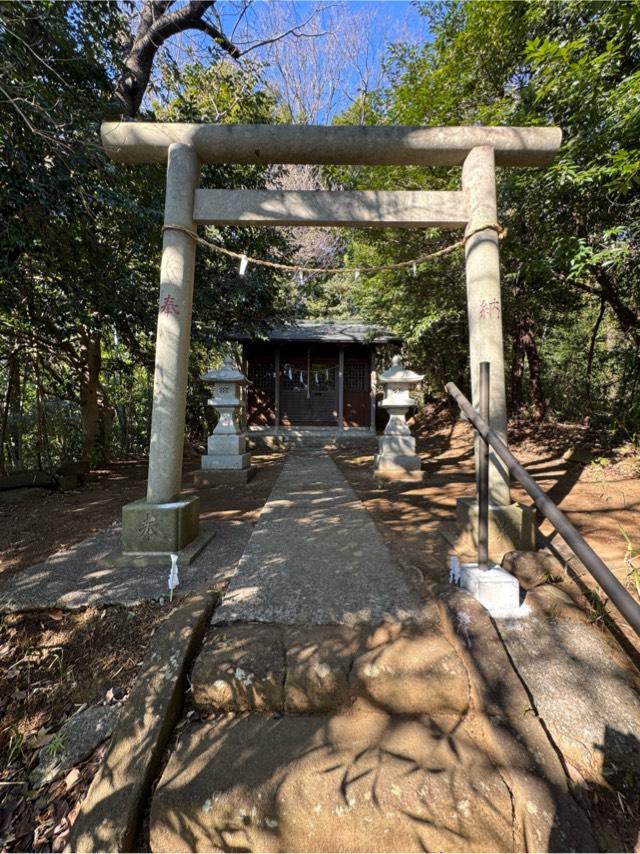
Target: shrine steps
(330, 738)
(311, 437)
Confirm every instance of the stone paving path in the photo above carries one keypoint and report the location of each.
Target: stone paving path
(345, 713)
(315, 556)
(347, 716)
(87, 575)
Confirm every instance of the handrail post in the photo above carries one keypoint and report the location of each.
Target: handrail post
(619, 595)
(484, 383)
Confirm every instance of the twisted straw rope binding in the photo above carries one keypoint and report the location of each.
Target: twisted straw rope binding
(298, 268)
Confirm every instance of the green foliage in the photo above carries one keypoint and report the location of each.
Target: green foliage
(56, 745)
(631, 557)
(16, 747)
(572, 242)
(81, 238)
(81, 235)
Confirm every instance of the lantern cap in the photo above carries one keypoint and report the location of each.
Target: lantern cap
(229, 372)
(398, 373)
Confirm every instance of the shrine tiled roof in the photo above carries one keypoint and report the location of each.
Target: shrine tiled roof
(330, 331)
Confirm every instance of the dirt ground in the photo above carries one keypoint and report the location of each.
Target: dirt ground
(51, 663)
(597, 488)
(36, 523)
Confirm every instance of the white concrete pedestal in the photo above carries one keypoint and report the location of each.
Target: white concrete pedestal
(495, 588)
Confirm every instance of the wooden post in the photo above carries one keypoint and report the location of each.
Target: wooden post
(277, 390)
(341, 389)
(372, 391)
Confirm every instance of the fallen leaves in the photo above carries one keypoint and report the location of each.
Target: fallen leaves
(53, 663)
(72, 778)
(40, 819)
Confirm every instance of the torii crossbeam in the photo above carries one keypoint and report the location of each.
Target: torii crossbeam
(166, 522)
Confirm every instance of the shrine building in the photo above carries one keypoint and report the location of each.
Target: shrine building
(314, 374)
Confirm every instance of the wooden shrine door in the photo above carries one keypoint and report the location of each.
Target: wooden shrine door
(310, 392)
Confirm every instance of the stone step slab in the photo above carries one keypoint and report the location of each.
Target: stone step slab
(586, 693)
(317, 669)
(318, 663)
(415, 673)
(240, 668)
(358, 781)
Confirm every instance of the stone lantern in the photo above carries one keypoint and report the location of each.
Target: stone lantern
(227, 460)
(397, 456)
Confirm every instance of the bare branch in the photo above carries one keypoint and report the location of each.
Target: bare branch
(219, 37)
(158, 23)
(294, 31)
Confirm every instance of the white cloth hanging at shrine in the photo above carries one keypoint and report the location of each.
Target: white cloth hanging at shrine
(174, 580)
(317, 380)
(290, 373)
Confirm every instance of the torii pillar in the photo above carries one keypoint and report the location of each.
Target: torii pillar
(166, 521)
(511, 526)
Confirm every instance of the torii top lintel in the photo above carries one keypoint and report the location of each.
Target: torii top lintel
(148, 142)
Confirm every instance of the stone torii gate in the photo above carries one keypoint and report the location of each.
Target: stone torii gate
(167, 522)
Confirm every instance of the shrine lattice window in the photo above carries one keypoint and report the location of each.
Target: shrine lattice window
(356, 376)
(262, 375)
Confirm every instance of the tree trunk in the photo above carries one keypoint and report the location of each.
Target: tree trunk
(12, 379)
(91, 362)
(517, 372)
(528, 344)
(14, 445)
(105, 435)
(42, 433)
(592, 347)
(158, 22)
(627, 318)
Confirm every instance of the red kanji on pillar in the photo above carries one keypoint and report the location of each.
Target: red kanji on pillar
(169, 306)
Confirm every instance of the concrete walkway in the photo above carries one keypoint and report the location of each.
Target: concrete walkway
(346, 715)
(316, 556)
(90, 575)
(333, 708)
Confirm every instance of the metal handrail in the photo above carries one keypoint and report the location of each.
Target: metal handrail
(622, 599)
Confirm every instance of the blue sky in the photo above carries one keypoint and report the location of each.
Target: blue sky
(337, 54)
(354, 37)
(401, 13)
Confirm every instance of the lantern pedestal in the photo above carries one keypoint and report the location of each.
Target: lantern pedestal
(397, 458)
(227, 459)
(215, 477)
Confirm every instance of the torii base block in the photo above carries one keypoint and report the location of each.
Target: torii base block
(511, 528)
(160, 528)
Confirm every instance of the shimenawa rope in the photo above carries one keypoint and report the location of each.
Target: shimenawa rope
(300, 268)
